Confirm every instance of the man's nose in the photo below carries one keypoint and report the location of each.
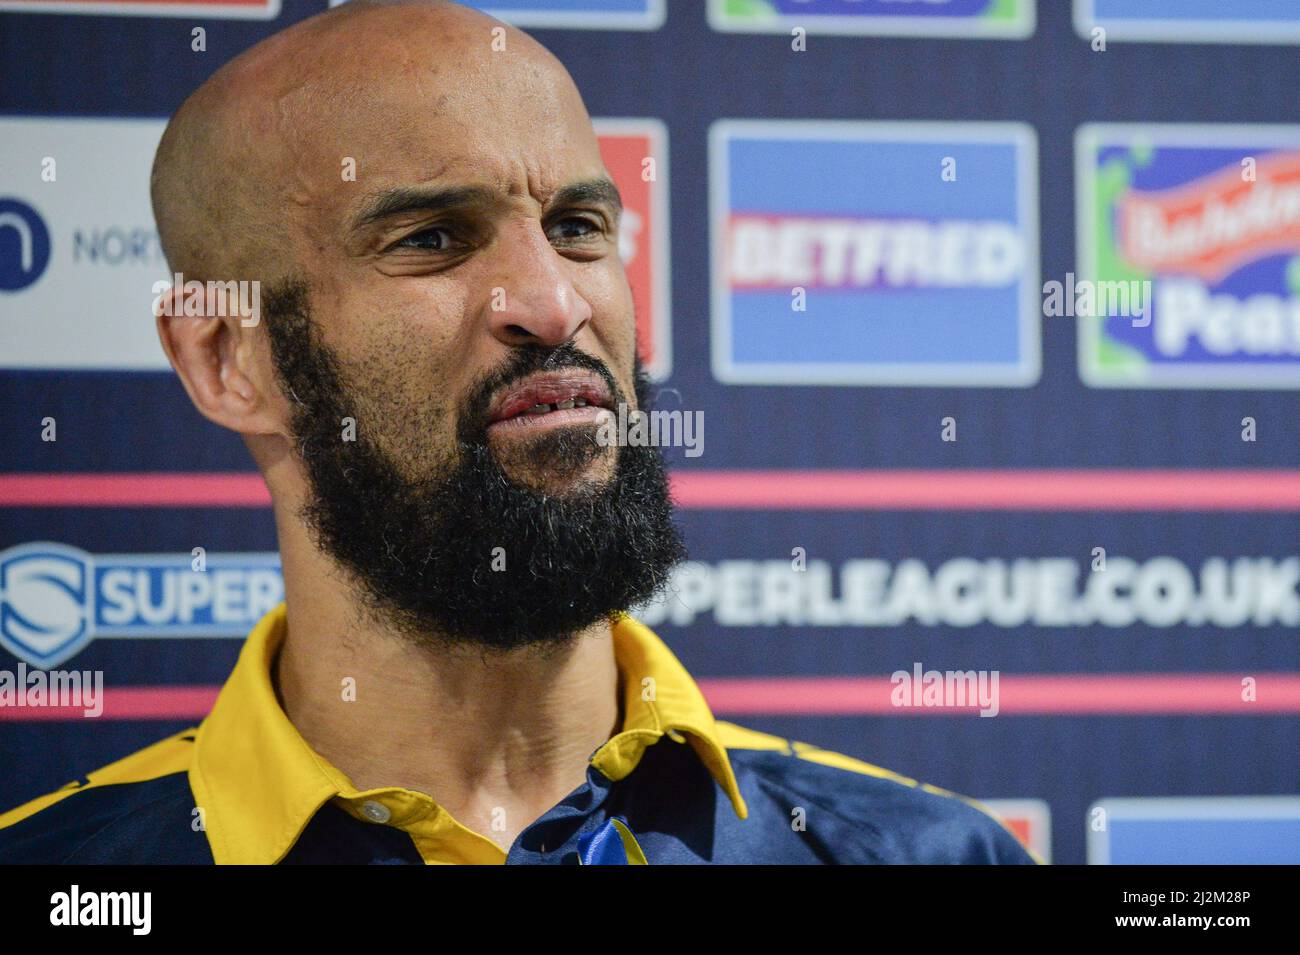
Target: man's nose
(533, 301)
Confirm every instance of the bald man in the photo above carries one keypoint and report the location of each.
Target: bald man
(453, 676)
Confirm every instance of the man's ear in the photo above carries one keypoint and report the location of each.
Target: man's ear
(218, 356)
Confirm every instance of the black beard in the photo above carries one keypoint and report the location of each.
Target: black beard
(468, 556)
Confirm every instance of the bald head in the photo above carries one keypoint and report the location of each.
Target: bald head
(326, 111)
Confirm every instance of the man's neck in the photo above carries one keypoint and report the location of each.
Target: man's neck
(496, 739)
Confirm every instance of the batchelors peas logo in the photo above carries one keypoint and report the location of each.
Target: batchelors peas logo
(1210, 216)
(55, 599)
(24, 245)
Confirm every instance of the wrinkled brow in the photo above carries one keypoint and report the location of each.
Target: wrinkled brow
(405, 199)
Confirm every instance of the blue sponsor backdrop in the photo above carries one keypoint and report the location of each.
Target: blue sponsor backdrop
(689, 75)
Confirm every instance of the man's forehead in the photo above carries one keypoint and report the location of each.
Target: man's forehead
(530, 138)
(405, 82)
(448, 85)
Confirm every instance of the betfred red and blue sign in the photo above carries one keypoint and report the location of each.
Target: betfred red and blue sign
(874, 253)
(1209, 216)
(1190, 21)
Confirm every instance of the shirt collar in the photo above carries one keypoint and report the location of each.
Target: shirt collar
(258, 783)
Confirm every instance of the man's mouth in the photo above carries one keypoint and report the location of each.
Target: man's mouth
(551, 399)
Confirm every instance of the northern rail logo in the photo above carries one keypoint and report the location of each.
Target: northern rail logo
(24, 245)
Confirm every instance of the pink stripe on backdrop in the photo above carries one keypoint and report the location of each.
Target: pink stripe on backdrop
(1186, 694)
(1019, 695)
(932, 490)
(967, 490)
(127, 703)
(133, 490)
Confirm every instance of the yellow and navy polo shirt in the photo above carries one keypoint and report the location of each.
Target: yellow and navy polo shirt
(672, 786)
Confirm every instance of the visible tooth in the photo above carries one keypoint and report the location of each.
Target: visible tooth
(580, 402)
(565, 405)
(538, 409)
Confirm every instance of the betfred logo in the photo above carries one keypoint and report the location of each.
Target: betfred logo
(859, 253)
(827, 252)
(1210, 216)
(1011, 19)
(635, 152)
(192, 9)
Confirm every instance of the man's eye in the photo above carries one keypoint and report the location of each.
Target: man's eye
(574, 227)
(437, 239)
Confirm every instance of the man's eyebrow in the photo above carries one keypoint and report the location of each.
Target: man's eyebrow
(404, 199)
(598, 191)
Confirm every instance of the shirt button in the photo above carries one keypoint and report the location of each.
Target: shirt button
(375, 811)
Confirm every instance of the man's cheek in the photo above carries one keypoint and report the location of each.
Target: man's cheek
(614, 320)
